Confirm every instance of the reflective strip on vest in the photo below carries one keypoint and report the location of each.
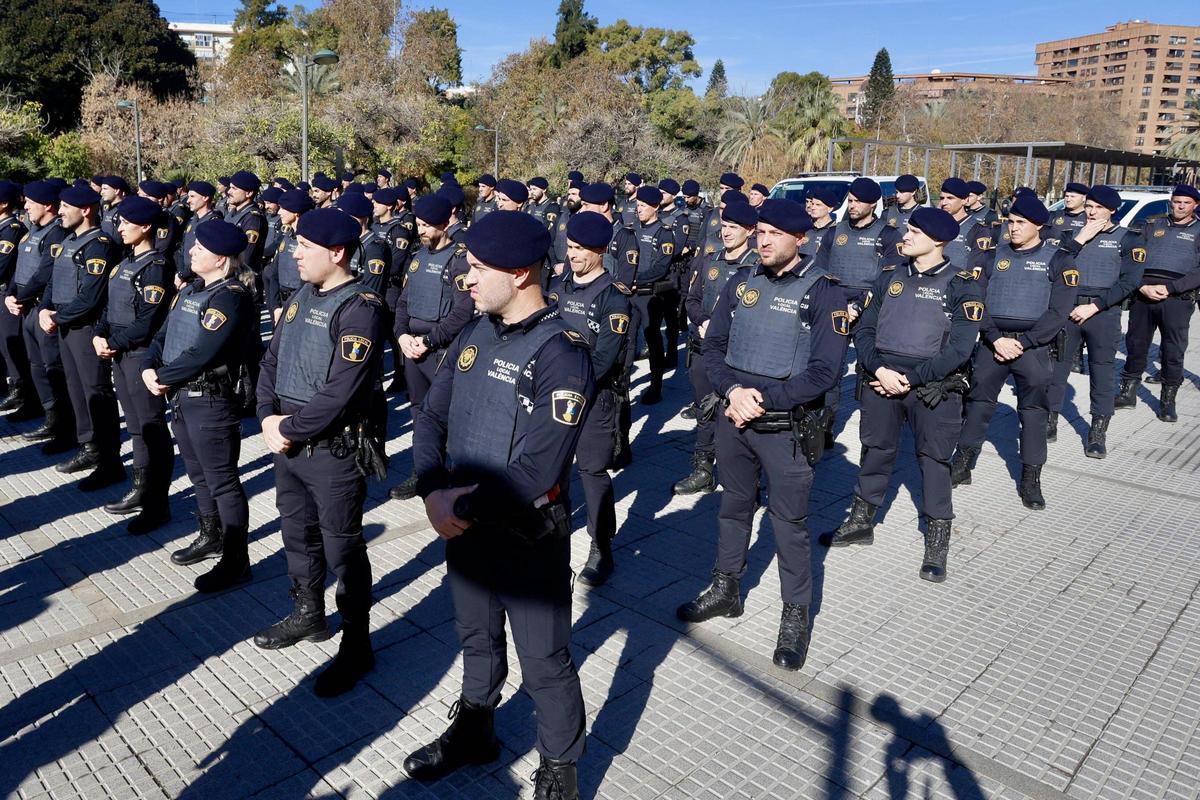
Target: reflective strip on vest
(768, 335)
(1019, 283)
(306, 345)
(912, 315)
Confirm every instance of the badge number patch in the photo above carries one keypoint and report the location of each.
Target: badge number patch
(355, 348)
(567, 406)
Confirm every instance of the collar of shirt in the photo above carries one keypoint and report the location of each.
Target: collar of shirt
(525, 325)
(1175, 224)
(912, 268)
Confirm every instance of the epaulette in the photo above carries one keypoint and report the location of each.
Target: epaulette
(576, 338)
(370, 298)
(461, 248)
(966, 275)
(622, 288)
(888, 268)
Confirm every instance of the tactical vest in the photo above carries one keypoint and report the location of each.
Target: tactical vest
(913, 320)
(1171, 249)
(854, 257)
(482, 209)
(653, 264)
(110, 221)
(1099, 262)
(189, 238)
(286, 269)
(716, 273)
(186, 318)
(488, 422)
(1066, 222)
(810, 244)
(958, 251)
(429, 287)
(68, 266)
(360, 252)
(1019, 284)
(306, 344)
(29, 253)
(123, 290)
(768, 335)
(577, 306)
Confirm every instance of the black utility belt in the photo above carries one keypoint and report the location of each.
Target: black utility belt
(655, 287)
(772, 422)
(1084, 299)
(695, 345)
(1012, 334)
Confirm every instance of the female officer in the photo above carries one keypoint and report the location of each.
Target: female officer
(196, 358)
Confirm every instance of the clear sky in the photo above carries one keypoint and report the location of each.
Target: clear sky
(759, 38)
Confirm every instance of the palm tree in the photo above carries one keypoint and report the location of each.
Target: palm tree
(322, 79)
(1187, 145)
(808, 125)
(748, 140)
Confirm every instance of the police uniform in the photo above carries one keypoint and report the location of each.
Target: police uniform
(546, 212)
(973, 236)
(1065, 223)
(400, 234)
(814, 240)
(372, 263)
(281, 277)
(183, 256)
(898, 216)
(654, 295)
(696, 217)
(21, 394)
(483, 208)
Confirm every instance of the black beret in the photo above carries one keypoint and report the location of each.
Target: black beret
(271, 194)
(758, 187)
(285, 184)
(58, 183)
(827, 193)
(669, 186)
(539, 182)
(690, 188)
(786, 215)
(1183, 190)
(9, 192)
(452, 192)
(139, 210)
(245, 180)
(116, 182)
(576, 185)
(224, 180)
(355, 188)
(976, 187)
(347, 176)
(304, 186)
(328, 227)
(650, 195)
(865, 190)
(486, 179)
(1020, 190)
(97, 179)
(324, 183)
(387, 196)
(513, 190)
(155, 189)
(907, 183)
(369, 189)
(633, 178)
(81, 182)
(41, 192)
(1105, 196)
(320, 174)
(411, 183)
(732, 180)
(296, 201)
(432, 209)
(1076, 188)
(939, 225)
(221, 237)
(448, 177)
(596, 193)
(202, 188)
(1029, 207)
(356, 204)
(382, 172)
(590, 230)
(79, 196)
(956, 187)
(575, 175)
(741, 213)
(733, 196)
(508, 240)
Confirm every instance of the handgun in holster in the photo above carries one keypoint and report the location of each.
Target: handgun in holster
(808, 429)
(1058, 346)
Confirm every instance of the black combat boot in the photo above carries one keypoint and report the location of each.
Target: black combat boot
(599, 566)
(722, 599)
(13, 400)
(21, 404)
(354, 659)
(961, 464)
(156, 506)
(1127, 394)
(470, 739)
(937, 548)
(49, 429)
(1097, 436)
(791, 648)
(306, 623)
(207, 544)
(701, 479)
(1154, 377)
(1166, 408)
(110, 470)
(406, 490)
(859, 527)
(131, 503)
(555, 780)
(234, 567)
(1052, 426)
(1031, 487)
(87, 458)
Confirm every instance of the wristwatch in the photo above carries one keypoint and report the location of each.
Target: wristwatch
(426, 341)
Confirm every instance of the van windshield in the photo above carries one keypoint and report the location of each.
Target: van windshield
(798, 191)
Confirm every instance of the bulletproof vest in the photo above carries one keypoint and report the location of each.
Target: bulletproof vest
(616, 257)
(695, 222)
(811, 243)
(559, 245)
(1019, 284)
(164, 234)
(287, 271)
(274, 232)
(768, 335)
(577, 304)
(428, 284)
(186, 318)
(854, 257)
(1099, 262)
(538, 210)
(900, 215)
(488, 421)
(716, 273)
(958, 251)
(653, 264)
(1066, 222)
(67, 266)
(913, 320)
(677, 217)
(306, 345)
(360, 252)
(482, 209)
(109, 221)
(712, 232)
(1171, 249)
(189, 237)
(235, 218)
(29, 253)
(123, 291)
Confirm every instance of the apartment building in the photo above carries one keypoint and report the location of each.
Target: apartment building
(936, 85)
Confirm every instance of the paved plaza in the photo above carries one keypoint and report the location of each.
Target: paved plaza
(1058, 661)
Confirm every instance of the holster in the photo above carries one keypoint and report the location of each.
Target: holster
(808, 429)
(369, 455)
(694, 349)
(1058, 346)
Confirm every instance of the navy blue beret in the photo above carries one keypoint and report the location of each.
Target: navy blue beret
(513, 190)
(81, 182)
(41, 192)
(116, 182)
(732, 180)
(1020, 190)
(178, 183)
(865, 190)
(139, 210)
(508, 240)
(575, 175)
(79, 196)
(650, 195)
(324, 183)
(539, 182)
(976, 187)
(411, 183)
(382, 172)
(956, 187)
(304, 186)
(669, 186)
(154, 189)
(355, 188)
(245, 180)
(1029, 207)
(224, 180)
(1183, 190)
(328, 227)
(296, 201)
(387, 196)
(356, 204)
(590, 230)
(576, 185)
(741, 213)
(97, 179)
(633, 178)
(907, 183)
(452, 192)
(1076, 188)
(448, 177)
(939, 225)
(432, 209)
(369, 189)
(596, 193)
(320, 174)
(826, 193)
(758, 187)
(487, 179)
(271, 194)
(1105, 196)
(9, 192)
(690, 188)
(347, 176)
(202, 188)
(221, 237)
(786, 215)
(733, 196)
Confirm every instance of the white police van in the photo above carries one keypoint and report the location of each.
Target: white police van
(797, 188)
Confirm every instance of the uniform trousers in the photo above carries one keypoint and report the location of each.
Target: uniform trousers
(598, 443)
(1032, 373)
(1171, 318)
(145, 415)
(12, 348)
(90, 389)
(419, 377)
(208, 431)
(648, 312)
(45, 364)
(702, 388)
(1099, 334)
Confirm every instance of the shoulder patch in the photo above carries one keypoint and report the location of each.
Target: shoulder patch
(1071, 277)
(96, 266)
(631, 256)
(668, 248)
(355, 348)
(213, 320)
(55, 249)
(973, 310)
(460, 283)
(375, 266)
(252, 236)
(1139, 255)
(984, 243)
(6, 248)
(461, 249)
(153, 294)
(567, 406)
(841, 323)
(619, 323)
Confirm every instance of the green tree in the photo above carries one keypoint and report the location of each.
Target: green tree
(651, 58)
(881, 88)
(787, 87)
(1187, 145)
(431, 49)
(571, 33)
(718, 84)
(66, 155)
(677, 114)
(749, 141)
(257, 14)
(809, 124)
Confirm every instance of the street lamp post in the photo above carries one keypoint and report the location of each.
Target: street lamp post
(324, 58)
(137, 133)
(496, 148)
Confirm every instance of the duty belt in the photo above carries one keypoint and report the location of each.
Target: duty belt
(656, 287)
(772, 422)
(1084, 299)
(695, 345)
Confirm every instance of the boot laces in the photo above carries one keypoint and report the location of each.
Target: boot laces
(549, 775)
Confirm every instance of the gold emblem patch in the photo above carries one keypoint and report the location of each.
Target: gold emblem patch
(709, 250)
(1159, 233)
(55, 249)
(1058, 221)
(291, 312)
(153, 294)
(355, 348)
(466, 359)
(983, 243)
(632, 257)
(750, 297)
(741, 289)
(212, 320)
(713, 273)
(1071, 277)
(162, 232)
(841, 239)
(375, 266)
(974, 310)
(96, 266)
(896, 288)
(554, 297)
(1003, 264)
(252, 236)
(841, 323)
(618, 322)
(567, 406)
(6, 248)
(668, 248)
(414, 266)
(1139, 255)
(460, 282)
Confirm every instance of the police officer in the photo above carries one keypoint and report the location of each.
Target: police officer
(774, 345)
(397, 225)
(325, 191)
(485, 203)
(589, 300)
(976, 198)
(511, 195)
(712, 223)
(1027, 297)
(113, 189)
(270, 206)
(194, 361)
(972, 235)
(383, 178)
(318, 391)
(571, 204)
(540, 206)
(914, 339)
(819, 201)
(244, 212)
(433, 307)
(457, 229)
(674, 316)
(706, 281)
(626, 205)
(78, 294)
(371, 260)
(757, 194)
(178, 207)
(696, 209)
(281, 277)
(200, 196)
(21, 401)
(1109, 260)
(906, 201)
(501, 501)
(222, 204)
(857, 247)
(1072, 217)
(654, 292)
(167, 234)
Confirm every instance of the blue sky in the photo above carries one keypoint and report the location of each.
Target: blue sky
(760, 38)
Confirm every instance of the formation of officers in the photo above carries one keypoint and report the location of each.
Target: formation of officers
(513, 326)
